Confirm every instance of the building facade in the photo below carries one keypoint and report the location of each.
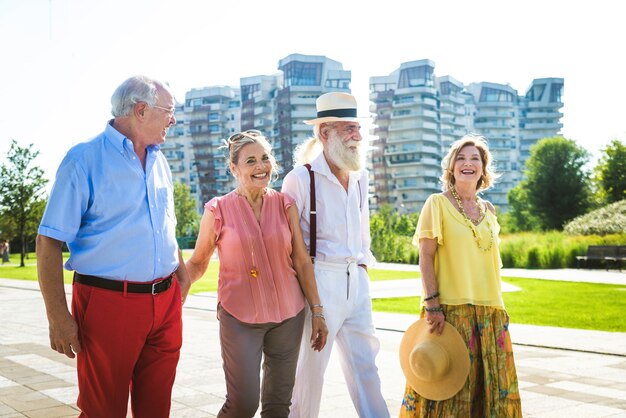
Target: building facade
(208, 116)
(277, 105)
(418, 116)
(305, 78)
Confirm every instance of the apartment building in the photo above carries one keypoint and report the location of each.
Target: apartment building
(276, 105)
(406, 159)
(305, 78)
(418, 116)
(208, 116)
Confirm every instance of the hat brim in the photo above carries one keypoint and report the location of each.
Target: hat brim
(326, 119)
(458, 354)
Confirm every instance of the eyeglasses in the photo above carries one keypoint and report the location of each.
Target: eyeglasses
(169, 110)
(250, 133)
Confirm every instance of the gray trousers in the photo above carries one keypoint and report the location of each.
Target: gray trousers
(243, 345)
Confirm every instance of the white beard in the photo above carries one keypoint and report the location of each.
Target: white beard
(343, 155)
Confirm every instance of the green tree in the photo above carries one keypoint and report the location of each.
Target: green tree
(557, 183)
(21, 187)
(519, 216)
(610, 173)
(187, 217)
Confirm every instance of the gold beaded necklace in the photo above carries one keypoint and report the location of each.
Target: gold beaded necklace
(470, 224)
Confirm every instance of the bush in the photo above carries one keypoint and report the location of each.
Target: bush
(610, 219)
(549, 250)
(533, 258)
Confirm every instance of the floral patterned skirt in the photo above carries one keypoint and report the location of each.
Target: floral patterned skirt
(491, 390)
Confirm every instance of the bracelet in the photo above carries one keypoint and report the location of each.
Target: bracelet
(319, 315)
(431, 297)
(437, 309)
(316, 305)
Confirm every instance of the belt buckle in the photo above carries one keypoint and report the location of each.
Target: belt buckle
(154, 292)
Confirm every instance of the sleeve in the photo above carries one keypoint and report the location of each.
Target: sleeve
(287, 202)
(212, 205)
(294, 188)
(69, 200)
(430, 222)
(368, 257)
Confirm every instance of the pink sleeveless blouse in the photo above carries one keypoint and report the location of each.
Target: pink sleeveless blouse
(243, 243)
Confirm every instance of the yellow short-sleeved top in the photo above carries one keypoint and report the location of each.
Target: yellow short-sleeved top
(464, 273)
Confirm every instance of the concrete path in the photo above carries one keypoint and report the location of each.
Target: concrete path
(579, 379)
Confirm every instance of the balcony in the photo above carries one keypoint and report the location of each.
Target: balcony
(549, 126)
(494, 113)
(543, 115)
(414, 125)
(550, 105)
(459, 100)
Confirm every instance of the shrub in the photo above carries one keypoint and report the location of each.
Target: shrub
(610, 219)
(549, 249)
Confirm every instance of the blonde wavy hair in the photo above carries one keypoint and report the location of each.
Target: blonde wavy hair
(489, 174)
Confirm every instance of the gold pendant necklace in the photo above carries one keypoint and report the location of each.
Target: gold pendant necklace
(470, 224)
(253, 271)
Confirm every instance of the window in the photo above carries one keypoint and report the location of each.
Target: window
(416, 77)
(298, 73)
(448, 88)
(488, 94)
(555, 93)
(536, 93)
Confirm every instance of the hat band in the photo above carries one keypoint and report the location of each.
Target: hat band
(339, 113)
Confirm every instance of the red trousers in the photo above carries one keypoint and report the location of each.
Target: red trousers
(131, 343)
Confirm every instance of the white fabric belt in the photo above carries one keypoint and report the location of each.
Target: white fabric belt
(326, 265)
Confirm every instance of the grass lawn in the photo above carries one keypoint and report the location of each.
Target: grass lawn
(540, 302)
(208, 282)
(549, 302)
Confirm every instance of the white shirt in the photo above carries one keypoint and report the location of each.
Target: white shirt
(343, 222)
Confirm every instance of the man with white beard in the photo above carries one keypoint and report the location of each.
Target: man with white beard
(339, 243)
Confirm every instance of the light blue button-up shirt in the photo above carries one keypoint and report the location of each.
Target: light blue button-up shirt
(117, 220)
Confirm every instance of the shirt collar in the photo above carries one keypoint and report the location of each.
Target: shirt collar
(115, 137)
(121, 142)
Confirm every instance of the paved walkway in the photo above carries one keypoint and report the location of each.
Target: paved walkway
(584, 377)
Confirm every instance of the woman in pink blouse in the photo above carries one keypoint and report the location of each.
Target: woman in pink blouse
(264, 271)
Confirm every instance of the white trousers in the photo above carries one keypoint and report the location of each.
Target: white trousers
(344, 292)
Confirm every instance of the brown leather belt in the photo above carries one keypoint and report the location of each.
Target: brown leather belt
(158, 286)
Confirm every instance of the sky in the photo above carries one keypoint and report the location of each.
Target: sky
(62, 59)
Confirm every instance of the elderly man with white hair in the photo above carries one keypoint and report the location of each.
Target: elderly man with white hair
(330, 189)
(112, 203)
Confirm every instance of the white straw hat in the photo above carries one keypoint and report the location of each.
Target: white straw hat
(334, 107)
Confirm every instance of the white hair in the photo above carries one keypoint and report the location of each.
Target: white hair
(311, 148)
(132, 91)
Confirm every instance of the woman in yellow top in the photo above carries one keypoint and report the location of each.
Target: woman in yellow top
(457, 234)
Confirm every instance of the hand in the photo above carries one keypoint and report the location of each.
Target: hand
(185, 284)
(64, 336)
(319, 333)
(436, 320)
